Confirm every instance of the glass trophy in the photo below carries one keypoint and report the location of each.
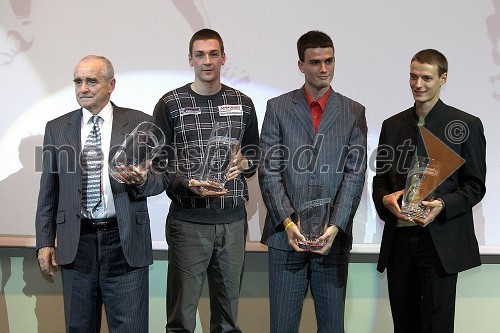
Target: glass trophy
(139, 147)
(422, 180)
(222, 147)
(314, 213)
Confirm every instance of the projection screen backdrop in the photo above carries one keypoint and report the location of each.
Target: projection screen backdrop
(42, 41)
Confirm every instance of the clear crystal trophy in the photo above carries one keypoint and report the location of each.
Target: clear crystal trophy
(422, 180)
(222, 146)
(139, 147)
(314, 213)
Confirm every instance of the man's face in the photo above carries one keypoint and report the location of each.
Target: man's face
(207, 60)
(318, 68)
(425, 83)
(91, 88)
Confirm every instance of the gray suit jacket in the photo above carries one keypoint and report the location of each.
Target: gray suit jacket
(60, 196)
(294, 156)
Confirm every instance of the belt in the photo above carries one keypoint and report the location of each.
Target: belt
(100, 224)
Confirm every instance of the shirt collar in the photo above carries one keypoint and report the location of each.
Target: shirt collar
(433, 113)
(106, 114)
(321, 101)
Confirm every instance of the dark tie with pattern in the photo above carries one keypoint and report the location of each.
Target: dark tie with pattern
(92, 167)
(420, 151)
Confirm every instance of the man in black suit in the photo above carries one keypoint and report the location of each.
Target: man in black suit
(424, 256)
(103, 246)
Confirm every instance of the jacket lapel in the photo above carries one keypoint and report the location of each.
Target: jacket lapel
(74, 130)
(303, 112)
(119, 130)
(73, 135)
(333, 110)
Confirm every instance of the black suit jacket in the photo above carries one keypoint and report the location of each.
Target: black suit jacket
(60, 196)
(453, 229)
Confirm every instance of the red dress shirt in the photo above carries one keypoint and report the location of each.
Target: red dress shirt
(317, 107)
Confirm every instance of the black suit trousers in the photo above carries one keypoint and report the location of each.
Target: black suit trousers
(421, 293)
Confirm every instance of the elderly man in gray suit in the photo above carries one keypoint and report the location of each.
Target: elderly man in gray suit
(313, 143)
(101, 225)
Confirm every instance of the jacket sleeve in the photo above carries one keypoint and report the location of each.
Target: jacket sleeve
(354, 169)
(472, 174)
(381, 180)
(272, 163)
(250, 142)
(174, 180)
(46, 213)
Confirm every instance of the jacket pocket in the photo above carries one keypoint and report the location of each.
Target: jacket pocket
(142, 217)
(60, 218)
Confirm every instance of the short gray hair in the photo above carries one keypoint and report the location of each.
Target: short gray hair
(108, 72)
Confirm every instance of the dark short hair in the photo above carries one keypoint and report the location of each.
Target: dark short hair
(313, 39)
(205, 34)
(432, 57)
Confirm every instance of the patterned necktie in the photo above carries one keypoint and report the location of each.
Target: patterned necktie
(92, 167)
(420, 151)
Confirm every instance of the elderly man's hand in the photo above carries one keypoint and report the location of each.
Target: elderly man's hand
(132, 175)
(47, 260)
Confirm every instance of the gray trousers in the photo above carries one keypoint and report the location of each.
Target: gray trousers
(291, 274)
(195, 251)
